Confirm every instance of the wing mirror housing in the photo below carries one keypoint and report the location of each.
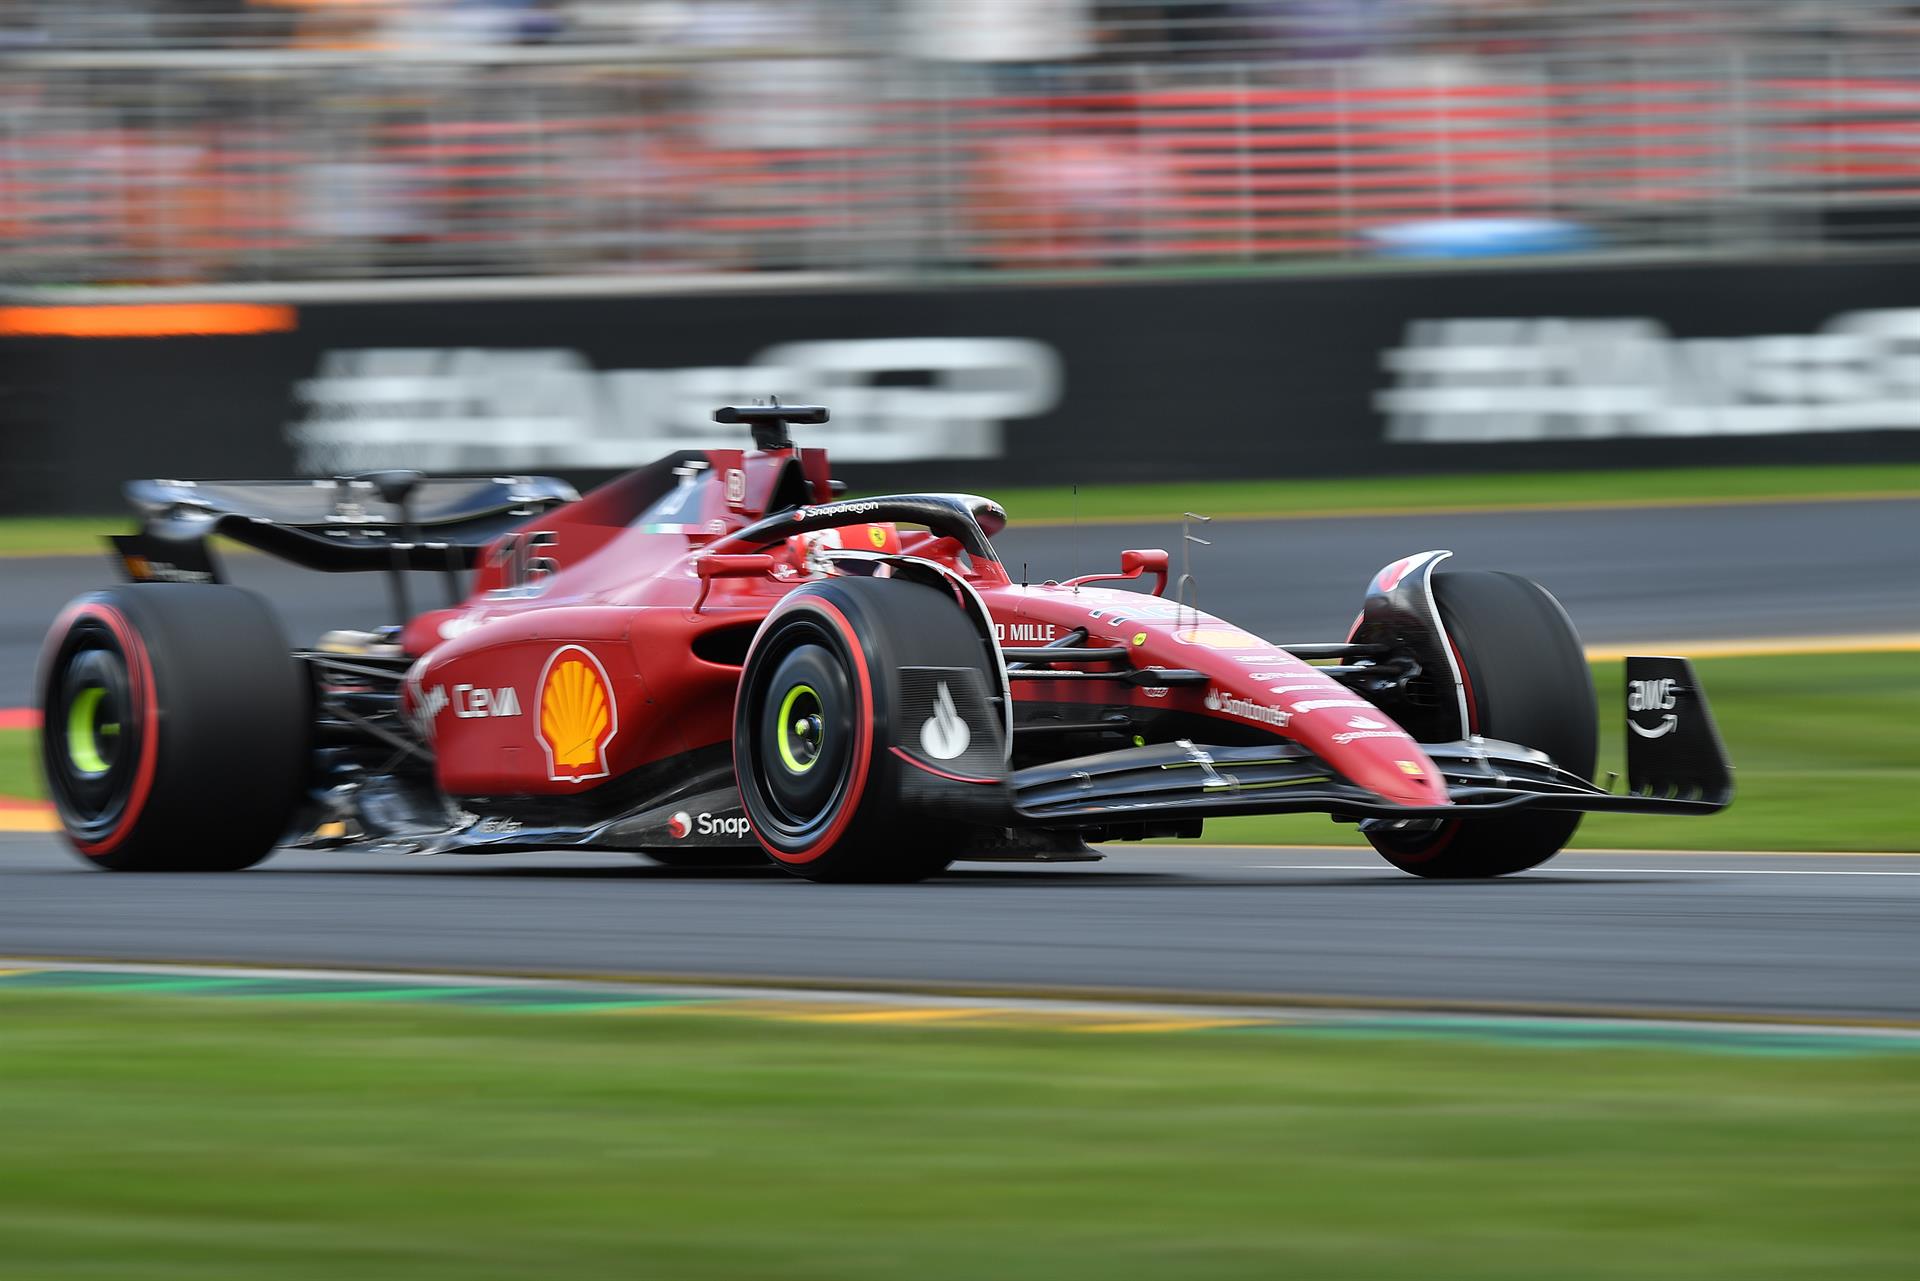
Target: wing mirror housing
(1146, 560)
(729, 565)
(1138, 561)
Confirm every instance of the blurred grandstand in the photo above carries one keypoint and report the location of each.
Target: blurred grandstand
(210, 142)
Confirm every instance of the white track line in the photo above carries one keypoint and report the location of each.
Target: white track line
(1620, 871)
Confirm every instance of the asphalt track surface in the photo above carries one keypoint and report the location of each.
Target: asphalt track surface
(1827, 936)
(1657, 574)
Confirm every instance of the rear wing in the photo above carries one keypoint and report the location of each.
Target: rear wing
(387, 520)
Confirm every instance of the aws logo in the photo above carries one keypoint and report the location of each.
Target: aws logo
(577, 715)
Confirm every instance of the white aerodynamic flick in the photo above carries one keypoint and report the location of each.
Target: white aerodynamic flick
(945, 735)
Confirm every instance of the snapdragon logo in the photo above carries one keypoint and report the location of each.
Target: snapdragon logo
(859, 507)
(682, 825)
(1555, 378)
(1246, 709)
(453, 409)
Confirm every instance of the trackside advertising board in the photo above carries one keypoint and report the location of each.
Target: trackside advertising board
(978, 386)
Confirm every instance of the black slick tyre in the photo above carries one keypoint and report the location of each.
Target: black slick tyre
(1527, 682)
(176, 727)
(819, 700)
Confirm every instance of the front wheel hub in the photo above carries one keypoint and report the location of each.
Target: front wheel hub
(804, 732)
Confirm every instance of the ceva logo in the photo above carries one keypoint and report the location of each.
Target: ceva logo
(578, 717)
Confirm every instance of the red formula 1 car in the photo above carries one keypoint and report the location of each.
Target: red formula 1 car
(713, 659)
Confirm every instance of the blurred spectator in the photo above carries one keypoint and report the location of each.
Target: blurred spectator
(998, 30)
(276, 138)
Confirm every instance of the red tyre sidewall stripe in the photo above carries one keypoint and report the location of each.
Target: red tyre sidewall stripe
(862, 745)
(140, 674)
(939, 773)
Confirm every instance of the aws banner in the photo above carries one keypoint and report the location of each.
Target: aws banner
(980, 386)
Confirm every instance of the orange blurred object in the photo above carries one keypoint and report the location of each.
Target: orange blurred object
(146, 320)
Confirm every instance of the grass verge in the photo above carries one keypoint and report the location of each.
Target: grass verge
(1823, 745)
(19, 769)
(1471, 493)
(158, 1137)
(71, 535)
(60, 535)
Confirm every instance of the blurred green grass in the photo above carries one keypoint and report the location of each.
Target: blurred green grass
(19, 766)
(1826, 751)
(61, 535)
(72, 535)
(167, 1138)
(1474, 492)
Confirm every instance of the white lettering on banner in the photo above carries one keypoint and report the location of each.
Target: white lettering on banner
(1554, 378)
(449, 409)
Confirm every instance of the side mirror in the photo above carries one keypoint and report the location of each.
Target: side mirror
(728, 565)
(1147, 560)
(738, 565)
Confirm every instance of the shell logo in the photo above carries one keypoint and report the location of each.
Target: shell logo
(577, 715)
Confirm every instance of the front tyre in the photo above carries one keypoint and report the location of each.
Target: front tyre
(176, 727)
(821, 698)
(1527, 682)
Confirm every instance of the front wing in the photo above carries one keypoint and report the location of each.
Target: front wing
(1676, 764)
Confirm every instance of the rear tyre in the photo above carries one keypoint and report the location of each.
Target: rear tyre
(1527, 682)
(814, 720)
(177, 728)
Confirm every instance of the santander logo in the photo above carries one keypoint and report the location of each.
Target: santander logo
(1219, 700)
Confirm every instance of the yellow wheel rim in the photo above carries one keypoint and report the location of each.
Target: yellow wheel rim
(801, 729)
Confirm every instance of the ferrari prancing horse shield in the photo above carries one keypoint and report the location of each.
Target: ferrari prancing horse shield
(577, 715)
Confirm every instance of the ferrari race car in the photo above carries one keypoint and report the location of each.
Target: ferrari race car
(716, 659)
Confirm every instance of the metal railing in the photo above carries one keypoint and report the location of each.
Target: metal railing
(198, 165)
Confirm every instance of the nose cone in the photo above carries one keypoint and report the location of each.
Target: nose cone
(1395, 767)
